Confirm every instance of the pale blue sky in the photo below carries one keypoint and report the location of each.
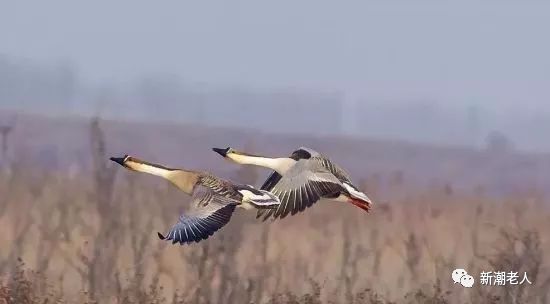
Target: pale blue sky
(494, 53)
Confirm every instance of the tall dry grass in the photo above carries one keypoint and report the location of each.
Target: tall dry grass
(91, 238)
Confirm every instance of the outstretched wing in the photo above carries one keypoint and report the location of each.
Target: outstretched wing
(300, 189)
(209, 213)
(305, 188)
(333, 168)
(307, 153)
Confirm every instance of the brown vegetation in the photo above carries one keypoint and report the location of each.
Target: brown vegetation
(91, 238)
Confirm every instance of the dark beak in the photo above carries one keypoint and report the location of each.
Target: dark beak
(118, 160)
(222, 152)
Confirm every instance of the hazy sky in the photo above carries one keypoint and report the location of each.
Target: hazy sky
(487, 52)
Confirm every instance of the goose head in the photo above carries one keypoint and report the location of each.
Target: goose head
(136, 164)
(224, 152)
(231, 153)
(121, 160)
(237, 156)
(132, 163)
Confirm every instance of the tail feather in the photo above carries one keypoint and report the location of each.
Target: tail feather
(365, 205)
(264, 200)
(358, 198)
(356, 194)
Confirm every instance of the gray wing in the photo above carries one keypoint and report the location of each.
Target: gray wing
(209, 213)
(307, 153)
(298, 154)
(342, 175)
(300, 188)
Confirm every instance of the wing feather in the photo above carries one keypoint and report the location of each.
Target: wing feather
(210, 212)
(300, 190)
(314, 177)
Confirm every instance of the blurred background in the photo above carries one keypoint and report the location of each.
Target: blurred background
(438, 110)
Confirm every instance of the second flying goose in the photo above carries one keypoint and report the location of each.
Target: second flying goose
(301, 180)
(213, 199)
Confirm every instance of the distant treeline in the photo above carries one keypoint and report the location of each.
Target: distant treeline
(57, 89)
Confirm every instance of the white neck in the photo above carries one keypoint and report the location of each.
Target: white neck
(145, 168)
(280, 165)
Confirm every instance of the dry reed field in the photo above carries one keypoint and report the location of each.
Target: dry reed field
(91, 238)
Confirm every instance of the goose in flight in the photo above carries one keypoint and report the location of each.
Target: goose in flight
(213, 199)
(301, 180)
